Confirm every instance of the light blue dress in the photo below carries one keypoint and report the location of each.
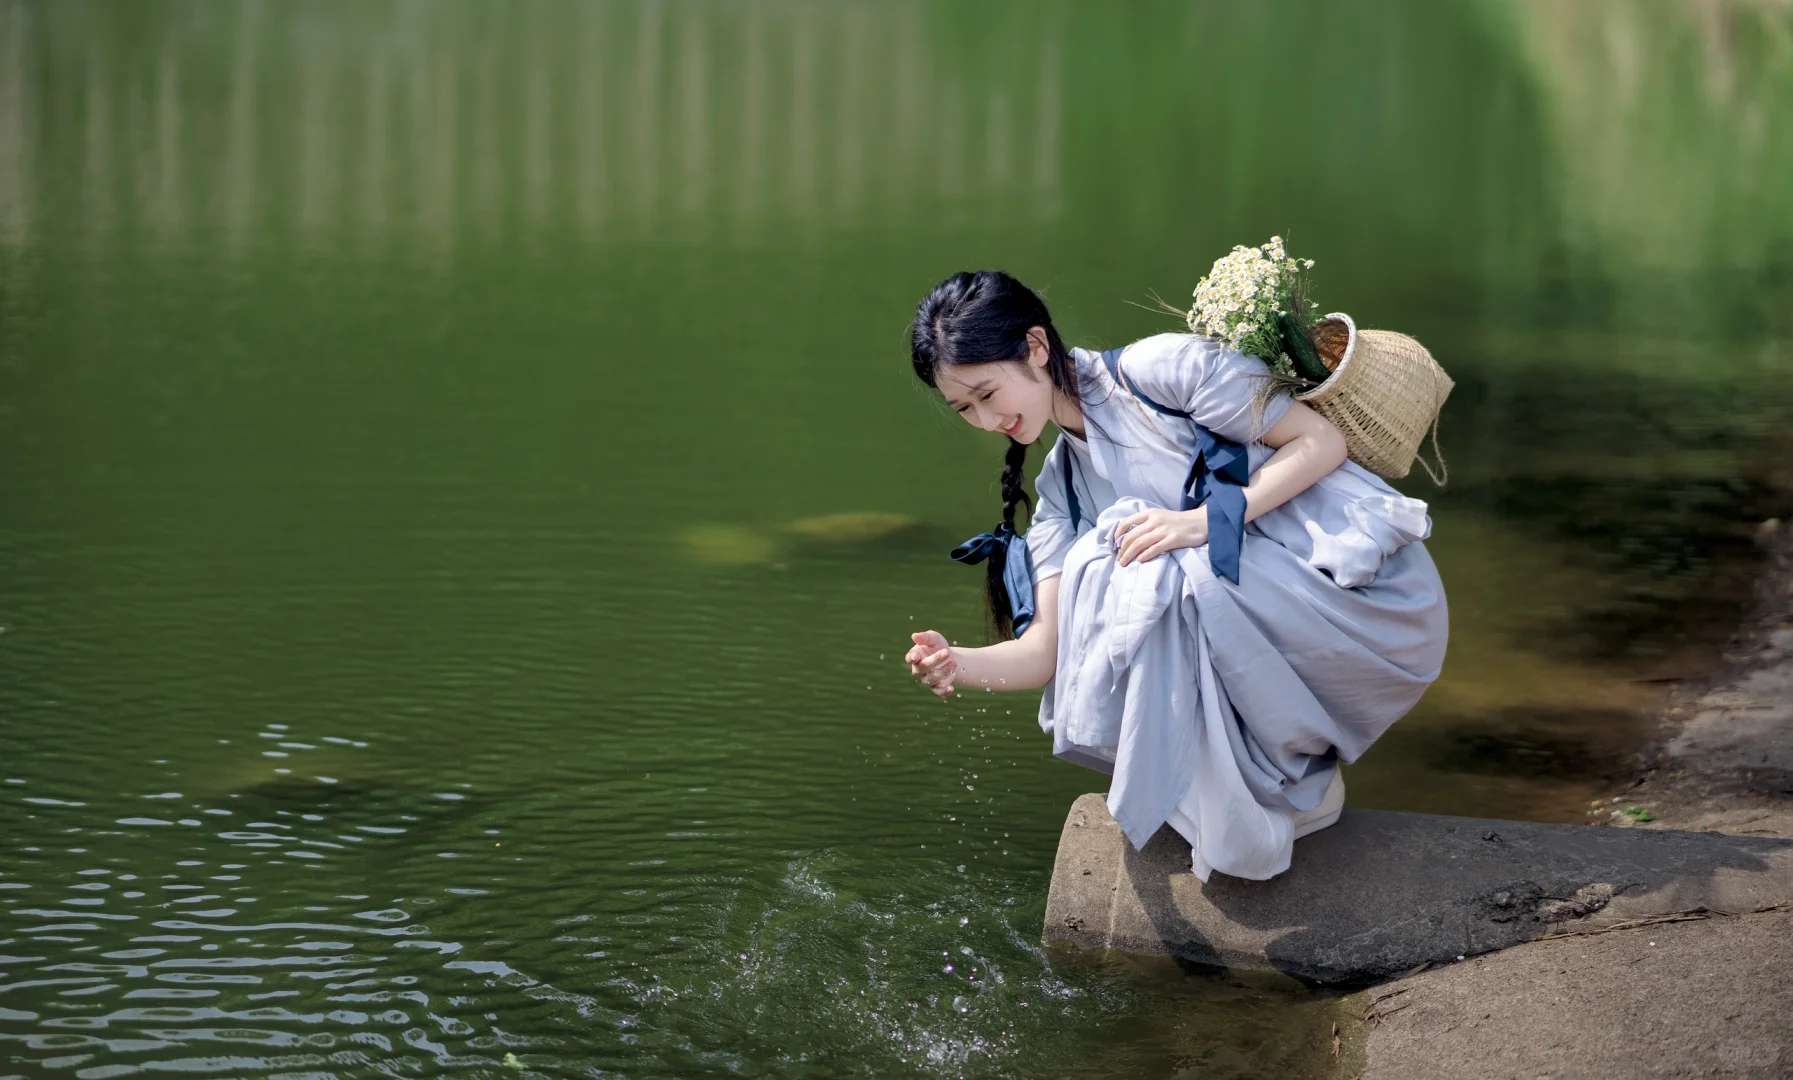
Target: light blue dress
(1223, 706)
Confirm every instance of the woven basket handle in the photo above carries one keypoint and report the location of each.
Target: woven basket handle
(1442, 475)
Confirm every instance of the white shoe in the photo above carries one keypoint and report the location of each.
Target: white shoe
(1331, 804)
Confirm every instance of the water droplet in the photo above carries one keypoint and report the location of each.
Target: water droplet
(960, 1005)
(964, 919)
(948, 969)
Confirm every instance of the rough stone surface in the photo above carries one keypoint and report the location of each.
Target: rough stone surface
(1711, 995)
(1381, 893)
(1699, 998)
(1708, 998)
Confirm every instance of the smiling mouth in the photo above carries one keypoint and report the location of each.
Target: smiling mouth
(1013, 429)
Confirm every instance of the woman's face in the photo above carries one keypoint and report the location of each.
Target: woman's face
(1013, 397)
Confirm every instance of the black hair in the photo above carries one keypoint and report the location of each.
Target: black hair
(982, 318)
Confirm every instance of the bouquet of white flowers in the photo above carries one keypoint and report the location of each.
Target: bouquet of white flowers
(1255, 300)
(1381, 389)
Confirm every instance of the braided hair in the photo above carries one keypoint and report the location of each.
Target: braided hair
(981, 318)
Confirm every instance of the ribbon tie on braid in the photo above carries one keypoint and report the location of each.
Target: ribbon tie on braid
(1017, 568)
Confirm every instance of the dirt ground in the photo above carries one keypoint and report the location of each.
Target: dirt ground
(1724, 759)
(1710, 994)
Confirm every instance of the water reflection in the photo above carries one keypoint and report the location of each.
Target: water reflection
(657, 121)
(197, 924)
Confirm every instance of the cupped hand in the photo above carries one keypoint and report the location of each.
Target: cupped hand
(931, 661)
(1150, 533)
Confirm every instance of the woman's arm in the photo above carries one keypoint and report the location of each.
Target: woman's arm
(1026, 663)
(1307, 447)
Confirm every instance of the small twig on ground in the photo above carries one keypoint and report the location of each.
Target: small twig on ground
(1690, 915)
(1335, 1040)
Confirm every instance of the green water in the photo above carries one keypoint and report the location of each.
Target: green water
(419, 643)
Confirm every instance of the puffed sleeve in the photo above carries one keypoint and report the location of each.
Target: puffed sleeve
(1213, 383)
(1050, 534)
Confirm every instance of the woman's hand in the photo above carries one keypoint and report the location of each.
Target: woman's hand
(1151, 533)
(931, 661)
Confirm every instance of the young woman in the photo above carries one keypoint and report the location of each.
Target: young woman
(1221, 607)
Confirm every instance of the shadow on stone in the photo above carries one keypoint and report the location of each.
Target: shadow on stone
(1381, 893)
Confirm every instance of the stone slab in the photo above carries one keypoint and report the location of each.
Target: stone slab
(1685, 999)
(1381, 893)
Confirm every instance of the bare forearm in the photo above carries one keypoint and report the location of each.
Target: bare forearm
(1026, 663)
(1023, 664)
(1308, 450)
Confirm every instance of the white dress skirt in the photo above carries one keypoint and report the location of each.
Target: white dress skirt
(1223, 707)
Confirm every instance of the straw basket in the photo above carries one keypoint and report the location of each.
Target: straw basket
(1384, 395)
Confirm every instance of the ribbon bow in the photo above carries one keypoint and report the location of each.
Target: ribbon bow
(1017, 568)
(1225, 461)
(1217, 477)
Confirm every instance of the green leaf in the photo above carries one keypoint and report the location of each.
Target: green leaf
(1300, 348)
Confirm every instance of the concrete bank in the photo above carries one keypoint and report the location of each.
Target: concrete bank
(1684, 969)
(1724, 754)
(1381, 893)
(1496, 949)
(1700, 997)
(1706, 996)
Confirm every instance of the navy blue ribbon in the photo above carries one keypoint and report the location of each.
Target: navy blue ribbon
(1217, 477)
(1017, 568)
